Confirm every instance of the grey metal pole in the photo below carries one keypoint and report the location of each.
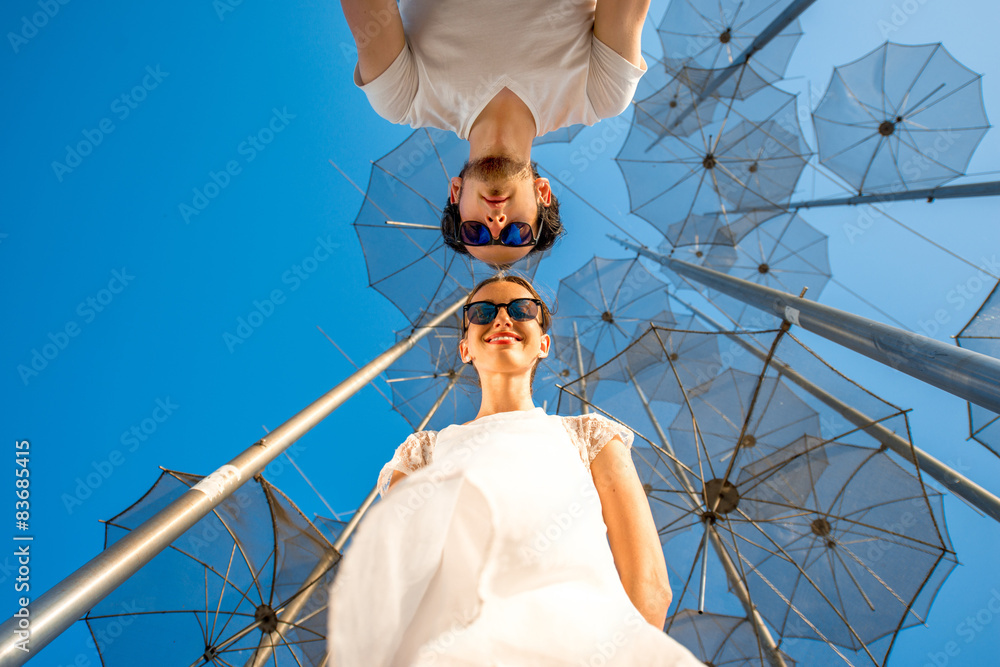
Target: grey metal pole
(773, 655)
(770, 32)
(969, 375)
(989, 189)
(289, 615)
(65, 602)
(952, 480)
(580, 369)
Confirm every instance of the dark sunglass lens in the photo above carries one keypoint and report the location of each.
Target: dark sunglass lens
(482, 313)
(522, 310)
(516, 234)
(475, 233)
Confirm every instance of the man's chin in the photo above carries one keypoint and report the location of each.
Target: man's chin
(498, 255)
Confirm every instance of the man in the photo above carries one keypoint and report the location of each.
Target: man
(498, 73)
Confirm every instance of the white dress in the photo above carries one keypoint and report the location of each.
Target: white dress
(493, 551)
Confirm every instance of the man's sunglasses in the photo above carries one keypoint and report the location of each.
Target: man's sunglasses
(515, 234)
(519, 310)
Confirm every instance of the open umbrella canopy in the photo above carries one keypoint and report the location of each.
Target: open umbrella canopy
(712, 34)
(900, 117)
(750, 156)
(785, 253)
(982, 334)
(840, 545)
(211, 597)
(719, 640)
(602, 302)
(658, 112)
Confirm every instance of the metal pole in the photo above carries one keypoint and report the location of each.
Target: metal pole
(579, 364)
(989, 189)
(969, 375)
(770, 32)
(289, 615)
(68, 600)
(291, 611)
(955, 482)
(772, 653)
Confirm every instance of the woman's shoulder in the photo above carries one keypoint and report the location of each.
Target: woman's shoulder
(591, 432)
(421, 438)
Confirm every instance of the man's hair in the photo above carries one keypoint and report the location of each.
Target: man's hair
(550, 226)
(545, 321)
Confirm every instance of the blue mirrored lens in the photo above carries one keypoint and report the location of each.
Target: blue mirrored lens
(482, 313)
(475, 233)
(516, 234)
(522, 309)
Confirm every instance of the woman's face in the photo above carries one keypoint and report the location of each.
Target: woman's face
(504, 345)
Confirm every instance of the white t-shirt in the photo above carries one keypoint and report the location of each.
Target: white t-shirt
(460, 53)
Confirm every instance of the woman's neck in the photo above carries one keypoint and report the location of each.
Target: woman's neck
(505, 393)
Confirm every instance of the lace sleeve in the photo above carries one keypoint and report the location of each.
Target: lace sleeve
(591, 432)
(415, 452)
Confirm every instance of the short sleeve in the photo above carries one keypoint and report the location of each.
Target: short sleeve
(611, 81)
(591, 432)
(392, 92)
(415, 452)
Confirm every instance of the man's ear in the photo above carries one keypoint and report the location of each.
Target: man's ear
(542, 190)
(454, 189)
(546, 342)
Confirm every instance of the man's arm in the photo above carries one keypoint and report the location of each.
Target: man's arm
(632, 534)
(378, 33)
(618, 23)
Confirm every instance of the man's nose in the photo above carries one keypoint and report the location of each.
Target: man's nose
(498, 217)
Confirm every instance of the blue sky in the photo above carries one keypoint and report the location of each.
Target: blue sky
(104, 261)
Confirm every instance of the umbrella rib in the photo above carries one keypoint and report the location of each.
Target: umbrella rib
(753, 17)
(877, 578)
(753, 402)
(954, 91)
(687, 581)
(913, 81)
(222, 593)
(854, 580)
(437, 153)
(740, 559)
(803, 575)
(363, 193)
(406, 185)
(912, 146)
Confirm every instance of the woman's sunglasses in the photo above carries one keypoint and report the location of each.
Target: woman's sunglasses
(515, 234)
(519, 310)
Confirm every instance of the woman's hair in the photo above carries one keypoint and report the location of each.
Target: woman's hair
(545, 321)
(550, 225)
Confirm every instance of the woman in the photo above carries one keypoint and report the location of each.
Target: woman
(491, 547)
